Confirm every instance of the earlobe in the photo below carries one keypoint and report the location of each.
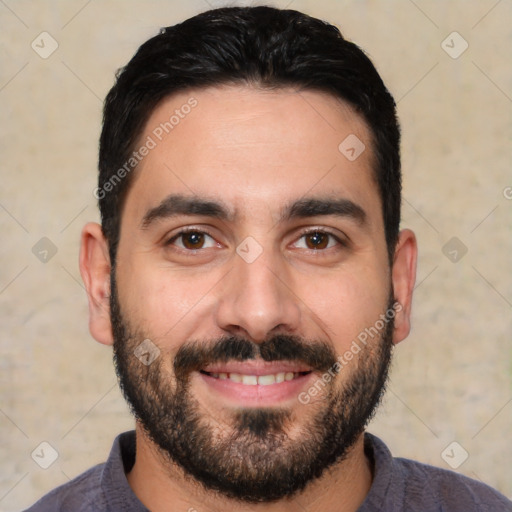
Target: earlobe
(404, 278)
(95, 270)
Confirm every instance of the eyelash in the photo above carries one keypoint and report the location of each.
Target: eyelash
(185, 231)
(341, 243)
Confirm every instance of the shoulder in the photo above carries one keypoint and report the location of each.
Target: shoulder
(404, 484)
(102, 488)
(449, 488)
(79, 494)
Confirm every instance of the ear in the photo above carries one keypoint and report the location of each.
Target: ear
(95, 270)
(404, 277)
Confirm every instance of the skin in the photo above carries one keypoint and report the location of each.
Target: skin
(256, 152)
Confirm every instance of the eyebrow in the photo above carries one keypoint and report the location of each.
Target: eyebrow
(313, 207)
(178, 204)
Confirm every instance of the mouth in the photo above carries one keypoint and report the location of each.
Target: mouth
(259, 383)
(256, 380)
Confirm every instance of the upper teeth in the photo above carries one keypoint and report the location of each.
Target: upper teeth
(253, 380)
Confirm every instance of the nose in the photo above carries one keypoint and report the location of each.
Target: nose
(256, 300)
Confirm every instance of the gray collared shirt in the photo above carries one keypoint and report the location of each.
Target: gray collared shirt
(398, 485)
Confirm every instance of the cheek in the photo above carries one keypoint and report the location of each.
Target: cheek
(347, 303)
(165, 303)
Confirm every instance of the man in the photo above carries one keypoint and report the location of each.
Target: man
(251, 276)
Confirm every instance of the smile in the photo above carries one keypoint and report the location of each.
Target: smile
(255, 380)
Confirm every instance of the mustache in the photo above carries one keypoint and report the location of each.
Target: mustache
(194, 356)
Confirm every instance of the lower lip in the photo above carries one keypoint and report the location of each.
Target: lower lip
(243, 394)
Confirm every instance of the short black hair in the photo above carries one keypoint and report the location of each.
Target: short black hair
(263, 46)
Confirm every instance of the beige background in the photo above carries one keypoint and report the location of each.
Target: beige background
(452, 379)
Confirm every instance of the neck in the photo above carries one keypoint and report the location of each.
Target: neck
(156, 484)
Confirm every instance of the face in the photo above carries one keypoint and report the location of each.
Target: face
(252, 255)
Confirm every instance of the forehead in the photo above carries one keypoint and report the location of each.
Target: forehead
(253, 148)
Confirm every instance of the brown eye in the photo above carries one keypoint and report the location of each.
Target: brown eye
(317, 240)
(192, 240)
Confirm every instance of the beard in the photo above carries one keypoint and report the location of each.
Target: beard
(253, 458)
